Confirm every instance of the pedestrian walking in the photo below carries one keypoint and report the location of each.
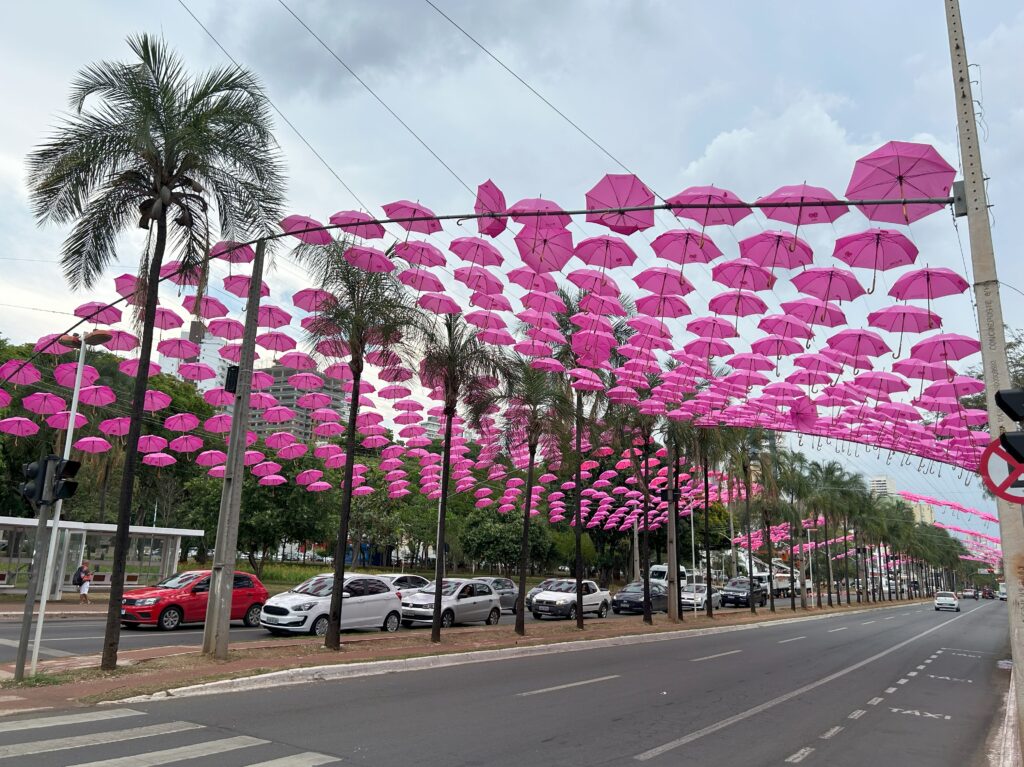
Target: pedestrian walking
(82, 578)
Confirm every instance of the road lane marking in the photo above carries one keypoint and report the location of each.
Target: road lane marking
(58, 721)
(716, 655)
(867, 623)
(890, 617)
(904, 680)
(890, 690)
(743, 715)
(800, 755)
(42, 649)
(957, 649)
(94, 739)
(566, 686)
(921, 668)
(922, 714)
(928, 661)
(831, 733)
(791, 639)
(179, 754)
(842, 628)
(875, 701)
(911, 673)
(857, 714)
(951, 679)
(308, 759)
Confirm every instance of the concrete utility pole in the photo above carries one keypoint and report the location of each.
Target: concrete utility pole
(39, 564)
(990, 325)
(670, 529)
(218, 614)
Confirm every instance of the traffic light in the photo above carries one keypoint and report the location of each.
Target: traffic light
(35, 479)
(64, 482)
(1011, 402)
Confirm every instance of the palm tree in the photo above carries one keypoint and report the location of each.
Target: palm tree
(458, 363)
(826, 479)
(150, 145)
(369, 310)
(793, 483)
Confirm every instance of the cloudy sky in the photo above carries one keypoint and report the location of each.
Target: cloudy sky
(748, 97)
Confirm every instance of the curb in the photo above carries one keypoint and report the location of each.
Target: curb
(341, 671)
(1009, 738)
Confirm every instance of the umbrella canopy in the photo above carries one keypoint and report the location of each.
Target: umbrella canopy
(178, 348)
(900, 170)
(312, 299)
(476, 251)
(477, 278)
(358, 224)
(544, 249)
(19, 372)
(97, 396)
(226, 328)
(98, 312)
(814, 311)
(621, 190)
(593, 280)
(928, 283)
(808, 210)
(369, 259)
(121, 341)
(159, 460)
(155, 400)
(92, 445)
(877, 249)
(420, 218)
(65, 374)
(306, 229)
(438, 303)
(553, 218)
(828, 284)
(18, 426)
(706, 195)
(232, 252)
(275, 341)
(165, 319)
(490, 200)
(268, 316)
(43, 403)
(181, 422)
(742, 273)
(737, 303)
(904, 318)
(945, 347)
(776, 250)
(663, 280)
(206, 307)
(685, 246)
(238, 285)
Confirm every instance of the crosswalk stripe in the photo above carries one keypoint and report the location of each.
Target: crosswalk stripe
(181, 753)
(56, 721)
(94, 739)
(308, 759)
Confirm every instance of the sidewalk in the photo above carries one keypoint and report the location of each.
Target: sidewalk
(63, 609)
(77, 681)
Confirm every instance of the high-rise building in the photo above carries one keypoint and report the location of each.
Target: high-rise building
(923, 512)
(432, 427)
(882, 486)
(287, 395)
(209, 353)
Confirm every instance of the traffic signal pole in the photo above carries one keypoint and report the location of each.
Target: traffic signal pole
(45, 505)
(990, 328)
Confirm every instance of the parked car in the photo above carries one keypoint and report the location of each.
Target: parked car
(183, 598)
(506, 590)
(542, 586)
(737, 593)
(559, 600)
(695, 596)
(630, 598)
(946, 600)
(988, 593)
(660, 573)
(368, 602)
(968, 594)
(463, 600)
(406, 584)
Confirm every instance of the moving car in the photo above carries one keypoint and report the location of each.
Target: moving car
(506, 590)
(1002, 592)
(987, 593)
(630, 599)
(463, 600)
(559, 600)
(542, 586)
(737, 593)
(183, 598)
(368, 602)
(695, 596)
(660, 573)
(968, 594)
(406, 584)
(946, 600)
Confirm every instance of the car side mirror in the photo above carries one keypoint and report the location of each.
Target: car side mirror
(345, 594)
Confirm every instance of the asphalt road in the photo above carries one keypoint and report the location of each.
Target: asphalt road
(902, 686)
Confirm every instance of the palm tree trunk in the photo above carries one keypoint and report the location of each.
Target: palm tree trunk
(846, 554)
(578, 510)
(707, 533)
(828, 562)
(104, 482)
(771, 573)
(332, 640)
(524, 545)
(645, 543)
(792, 573)
(439, 544)
(112, 632)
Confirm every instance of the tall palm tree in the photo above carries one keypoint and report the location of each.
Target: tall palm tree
(794, 484)
(827, 480)
(368, 310)
(148, 144)
(462, 366)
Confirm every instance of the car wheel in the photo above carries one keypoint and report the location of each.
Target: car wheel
(572, 613)
(536, 616)
(319, 627)
(936, 609)
(602, 611)
(494, 616)
(447, 619)
(252, 616)
(391, 623)
(170, 619)
(616, 610)
(958, 609)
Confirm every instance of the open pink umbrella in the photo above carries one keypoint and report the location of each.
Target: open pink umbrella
(420, 280)
(125, 284)
(181, 422)
(554, 216)
(186, 443)
(18, 426)
(211, 458)
(814, 311)
(945, 347)
(19, 372)
(925, 371)
(262, 379)
(904, 318)
(238, 285)
(477, 278)
(605, 252)
(531, 280)
(828, 284)
(306, 381)
(358, 224)
(485, 320)
(928, 283)
(620, 191)
(155, 400)
(98, 312)
(737, 303)
(151, 443)
(900, 170)
(685, 246)
(312, 299)
(50, 344)
(165, 319)
(491, 303)
(857, 342)
(876, 249)
(115, 427)
(226, 328)
(598, 304)
(43, 403)
(275, 341)
(63, 418)
(742, 273)
(476, 251)
(178, 348)
(290, 452)
(369, 259)
(420, 253)
(306, 229)
(196, 371)
(808, 208)
(438, 303)
(121, 341)
(776, 250)
(268, 316)
(785, 325)
(92, 445)
(706, 195)
(179, 273)
(663, 280)
(544, 249)
(97, 396)
(159, 460)
(490, 200)
(668, 306)
(64, 374)
(297, 361)
(422, 218)
(546, 302)
(232, 252)
(206, 307)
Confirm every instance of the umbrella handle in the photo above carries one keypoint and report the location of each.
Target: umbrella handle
(874, 280)
(888, 460)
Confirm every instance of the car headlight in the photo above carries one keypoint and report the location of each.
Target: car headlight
(147, 602)
(303, 607)
(562, 602)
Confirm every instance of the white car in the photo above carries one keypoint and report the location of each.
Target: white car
(406, 584)
(946, 600)
(463, 600)
(694, 597)
(559, 600)
(368, 602)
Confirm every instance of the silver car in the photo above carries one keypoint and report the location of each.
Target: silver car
(406, 584)
(463, 600)
(506, 590)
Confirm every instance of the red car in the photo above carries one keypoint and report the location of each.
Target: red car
(182, 598)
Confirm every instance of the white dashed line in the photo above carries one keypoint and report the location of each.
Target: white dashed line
(792, 639)
(800, 755)
(842, 628)
(831, 733)
(911, 673)
(716, 655)
(902, 681)
(920, 668)
(867, 623)
(857, 714)
(890, 690)
(875, 701)
(566, 686)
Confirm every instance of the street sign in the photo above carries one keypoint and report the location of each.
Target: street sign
(1002, 473)
(985, 571)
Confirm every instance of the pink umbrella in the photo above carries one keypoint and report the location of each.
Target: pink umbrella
(125, 284)
(491, 303)
(706, 195)
(264, 468)
(662, 306)
(742, 273)
(180, 274)
(530, 280)
(490, 199)
(663, 280)
(306, 229)
(369, 259)
(620, 191)
(857, 342)
(181, 422)
(151, 443)
(97, 396)
(92, 445)
(421, 280)
(358, 224)
(945, 347)
(297, 361)
(233, 352)
(420, 253)
(43, 403)
(547, 302)
(776, 249)
(828, 284)
(288, 452)
(438, 303)
(272, 480)
(19, 372)
(544, 249)
(605, 251)
(319, 487)
(99, 313)
(166, 319)
(186, 443)
(121, 341)
(555, 218)
(485, 320)
(238, 285)
(50, 344)
(261, 379)
(928, 283)
(211, 458)
(272, 317)
(814, 311)
(598, 304)
(809, 209)
(904, 318)
(496, 337)
(232, 252)
(159, 460)
(218, 397)
(785, 325)
(332, 347)
(685, 246)
(63, 418)
(306, 381)
(196, 371)
(737, 303)
(876, 249)
(228, 329)
(312, 299)
(115, 427)
(155, 400)
(478, 279)
(278, 414)
(178, 348)
(275, 341)
(18, 426)
(476, 251)
(900, 170)
(425, 221)
(64, 374)
(205, 307)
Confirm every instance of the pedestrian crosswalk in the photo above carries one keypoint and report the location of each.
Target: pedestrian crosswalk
(104, 736)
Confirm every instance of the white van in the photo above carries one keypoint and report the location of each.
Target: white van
(660, 573)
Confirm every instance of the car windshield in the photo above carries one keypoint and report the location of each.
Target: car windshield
(946, 594)
(738, 583)
(179, 580)
(691, 589)
(447, 588)
(632, 588)
(563, 587)
(317, 586)
(543, 585)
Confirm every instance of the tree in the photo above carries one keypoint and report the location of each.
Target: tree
(366, 311)
(148, 144)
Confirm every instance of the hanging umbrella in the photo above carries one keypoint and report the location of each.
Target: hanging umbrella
(226, 328)
(928, 283)
(19, 372)
(43, 403)
(422, 218)
(155, 400)
(125, 284)
(312, 299)
(261, 379)
(63, 418)
(685, 246)
(620, 191)
(592, 280)
(663, 280)
(775, 346)
(711, 327)
(306, 229)
(291, 452)
(419, 253)
(232, 252)
(785, 325)
(65, 373)
(875, 249)
(268, 316)
(544, 302)
(485, 320)
(151, 443)
(18, 426)
(97, 396)
(828, 284)
(121, 341)
(179, 273)
(857, 342)
(438, 303)
(275, 341)
(181, 422)
(814, 311)
(115, 427)
(808, 210)
(238, 285)
(945, 347)
(159, 460)
(531, 280)
(206, 307)
(737, 303)
(369, 259)
(165, 319)
(904, 318)
(50, 344)
(957, 386)
(925, 371)
(599, 304)
(92, 445)
(98, 312)
(478, 279)
(900, 170)
(178, 348)
(358, 224)
(211, 458)
(297, 361)
(421, 280)
(306, 381)
(706, 195)
(554, 216)
(476, 251)
(271, 480)
(742, 273)
(490, 200)
(605, 251)
(776, 249)
(544, 249)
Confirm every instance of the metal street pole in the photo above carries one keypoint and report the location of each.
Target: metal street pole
(636, 551)
(990, 326)
(218, 615)
(38, 564)
(670, 529)
(95, 337)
